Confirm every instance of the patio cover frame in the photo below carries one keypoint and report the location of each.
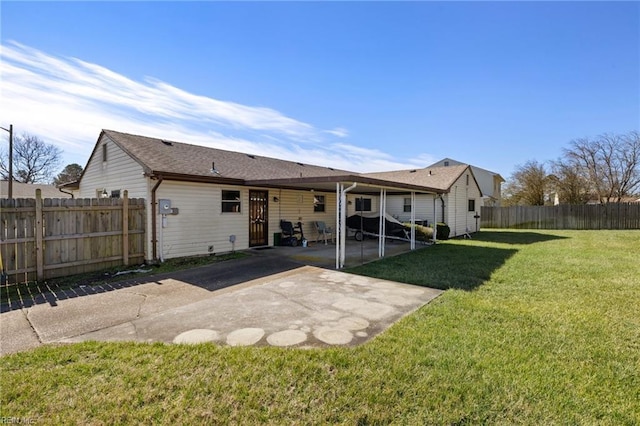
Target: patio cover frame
(355, 184)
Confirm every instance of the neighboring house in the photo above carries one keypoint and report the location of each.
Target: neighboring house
(204, 200)
(624, 200)
(28, 190)
(457, 205)
(490, 182)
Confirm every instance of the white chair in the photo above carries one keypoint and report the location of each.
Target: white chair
(323, 230)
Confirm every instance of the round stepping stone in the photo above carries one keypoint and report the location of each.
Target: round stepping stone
(333, 336)
(245, 337)
(353, 323)
(195, 336)
(327, 315)
(287, 338)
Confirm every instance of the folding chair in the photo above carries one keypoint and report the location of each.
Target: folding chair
(324, 230)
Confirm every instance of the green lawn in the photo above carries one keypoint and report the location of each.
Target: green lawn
(536, 327)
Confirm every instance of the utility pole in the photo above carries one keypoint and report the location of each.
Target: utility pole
(10, 182)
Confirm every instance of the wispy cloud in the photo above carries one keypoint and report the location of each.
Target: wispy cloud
(67, 101)
(340, 132)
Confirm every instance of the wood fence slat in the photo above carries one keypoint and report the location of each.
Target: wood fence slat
(588, 216)
(125, 228)
(39, 241)
(44, 238)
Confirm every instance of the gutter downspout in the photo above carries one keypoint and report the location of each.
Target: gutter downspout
(435, 220)
(154, 222)
(442, 201)
(342, 230)
(68, 193)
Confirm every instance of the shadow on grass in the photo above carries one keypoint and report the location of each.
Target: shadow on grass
(515, 237)
(443, 266)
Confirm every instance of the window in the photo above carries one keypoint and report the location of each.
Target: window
(446, 164)
(407, 205)
(472, 205)
(115, 193)
(363, 204)
(318, 203)
(230, 201)
(104, 153)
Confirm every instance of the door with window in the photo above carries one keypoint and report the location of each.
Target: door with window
(258, 218)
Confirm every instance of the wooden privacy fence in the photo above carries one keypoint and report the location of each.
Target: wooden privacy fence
(52, 237)
(587, 216)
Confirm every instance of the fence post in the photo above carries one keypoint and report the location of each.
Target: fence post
(125, 228)
(39, 239)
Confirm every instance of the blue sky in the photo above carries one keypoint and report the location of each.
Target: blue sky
(364, 86)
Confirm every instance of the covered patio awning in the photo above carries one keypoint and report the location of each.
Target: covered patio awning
(354, 184)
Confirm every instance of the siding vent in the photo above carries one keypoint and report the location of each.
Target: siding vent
(168, 143)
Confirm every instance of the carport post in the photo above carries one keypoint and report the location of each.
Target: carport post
(338, 223)
(382, 225)
(413, 220)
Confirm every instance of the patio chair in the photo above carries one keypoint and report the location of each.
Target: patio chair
(324, 230)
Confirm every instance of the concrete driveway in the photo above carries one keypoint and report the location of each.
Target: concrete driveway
(286, 305)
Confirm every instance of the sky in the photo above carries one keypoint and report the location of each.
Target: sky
(361, 86)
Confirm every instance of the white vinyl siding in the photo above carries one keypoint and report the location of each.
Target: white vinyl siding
(459, 218)
(423, 207)
(201, 224)
(297, 206)
(200, 227)
(119, 172)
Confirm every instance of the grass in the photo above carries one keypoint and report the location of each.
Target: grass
(534, 328)
(121, 273)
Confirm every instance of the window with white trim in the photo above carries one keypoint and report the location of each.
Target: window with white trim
(363, 204)
(230, 201)
(318, 203)
(407, 205)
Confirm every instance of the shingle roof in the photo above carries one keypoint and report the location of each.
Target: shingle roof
(435, 177)
(160, 156)
(28, 190)
(181, 161)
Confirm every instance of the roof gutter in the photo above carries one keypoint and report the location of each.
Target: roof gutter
(363, 180)
(180, 177)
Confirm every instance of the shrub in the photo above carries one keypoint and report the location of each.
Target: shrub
(443, 231)
(423, 233)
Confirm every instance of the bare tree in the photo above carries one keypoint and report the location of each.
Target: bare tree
(611, 163)
(527, 185)
(70, 173)
(569, 183)
(33, 160)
